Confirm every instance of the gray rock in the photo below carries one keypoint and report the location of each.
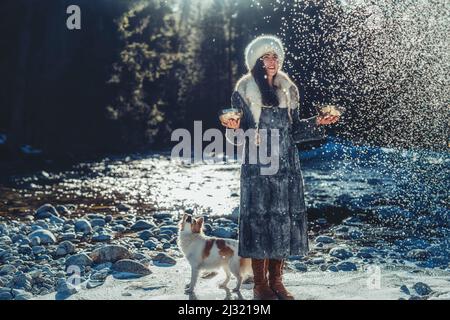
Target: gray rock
(40, 224)
(151, 244)
(422, 289)
(366, 253)
(164, 258)
(80, 259)
(35, 241)
(44, 236)
(162, 215)
(324, 239)
(7, 269)
(131, 266)
(223, 232)
(355, 234)
(108, 218)
(301, 267)
(124, 207)
(56, 220)
(21, 281)
(63, 210)
(119, 228)
(3, 229)
(5, 296)
(83, 226)
(102, 238)
(142, 225)
(340, 253)
(46, 211)
(38, 249)
(342, 229)
(346, 266)
(405, 290)
(333, 268)
(68, 236)
(20, 239)
(172, 228)
(25, 249)
(98, 222)
(110, 253)
(317, 260)
(91, 284)
(21, 295)
(65, 289)
(145, 235)
(418, 254)
(65, 248)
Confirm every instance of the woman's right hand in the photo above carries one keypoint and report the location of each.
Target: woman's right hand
(231, 123)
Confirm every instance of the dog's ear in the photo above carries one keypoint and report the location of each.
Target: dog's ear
(200, 221)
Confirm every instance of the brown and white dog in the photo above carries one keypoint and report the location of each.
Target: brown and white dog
(209, 253)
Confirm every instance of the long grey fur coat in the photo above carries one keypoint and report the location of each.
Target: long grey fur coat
(272, 220)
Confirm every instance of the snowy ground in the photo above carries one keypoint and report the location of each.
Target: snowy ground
(168, 282)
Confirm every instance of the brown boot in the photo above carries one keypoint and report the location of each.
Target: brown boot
(261, 290)
(276, 281)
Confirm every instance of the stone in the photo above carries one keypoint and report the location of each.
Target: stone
(83, 226)
(21, 281)
(5, 296)
(164, 258)
(145, 235)
(38, 249)
(65, 289)
(151, 244)
(418, 254)
(102, 238)
(405, 290)
(222, 232)
(25, 249)
(333, 268)
(44, 236)
(98, 222)
(324, 239)
(301, 267)
(45, 211)
(110, 253)
(68, 236)
(63, 210)
(422, 289)
(65, 248)
(80, 260)
(142, 225)
(346, 266)
(131, 266)
(124, 207)
(340, 253)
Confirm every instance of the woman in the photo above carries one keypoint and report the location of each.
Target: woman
(272, 222)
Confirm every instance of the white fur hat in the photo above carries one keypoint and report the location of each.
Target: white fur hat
(261, 45)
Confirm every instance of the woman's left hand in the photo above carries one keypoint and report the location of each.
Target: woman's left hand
(328, 119)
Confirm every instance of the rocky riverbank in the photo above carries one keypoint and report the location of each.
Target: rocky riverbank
(108, 223)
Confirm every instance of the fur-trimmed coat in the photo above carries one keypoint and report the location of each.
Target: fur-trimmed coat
(246, 95)
(272, 220)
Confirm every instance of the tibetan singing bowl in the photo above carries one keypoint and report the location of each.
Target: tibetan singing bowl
(330, 110)
(230, 113)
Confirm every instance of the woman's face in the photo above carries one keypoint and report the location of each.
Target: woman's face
(271, 63)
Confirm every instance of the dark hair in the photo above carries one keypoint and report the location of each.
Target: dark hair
(268, 94)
